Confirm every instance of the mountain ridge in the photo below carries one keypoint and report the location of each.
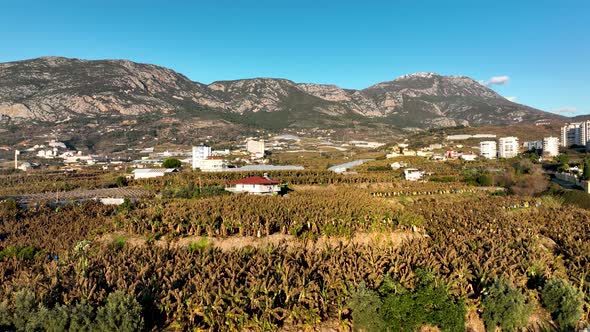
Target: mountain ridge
(53, 89)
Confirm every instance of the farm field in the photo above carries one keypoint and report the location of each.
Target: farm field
(472, 251)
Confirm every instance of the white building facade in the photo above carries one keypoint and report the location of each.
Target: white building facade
(488, 149)
(508, 147)
(576, 133)
(550, 146)
(255, 147)
(200, 153)
(212, 164)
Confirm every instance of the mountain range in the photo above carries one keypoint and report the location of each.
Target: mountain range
(47, 91)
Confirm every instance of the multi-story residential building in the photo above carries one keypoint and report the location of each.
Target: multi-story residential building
(507, 147)
(487, 149)
(200, 153)
(550, 146)
(576, 133)
(255, 147)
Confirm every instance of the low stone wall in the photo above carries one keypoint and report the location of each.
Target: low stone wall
(572, 179)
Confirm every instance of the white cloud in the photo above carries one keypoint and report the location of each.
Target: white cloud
(498, 80)
(565, 110)
(512, 99)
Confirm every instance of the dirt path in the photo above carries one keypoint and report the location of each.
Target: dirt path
(393, 239)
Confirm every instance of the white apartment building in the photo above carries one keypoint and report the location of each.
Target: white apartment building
(508, 147)
(255, 147)
(575, 133)
(487, 149)
(550, 146)
(200, 153)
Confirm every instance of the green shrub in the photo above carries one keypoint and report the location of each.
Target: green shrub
(121, 313)
(485, 180)
(505, 306)
(365, 304)
(121, 181)
(21, 253)
(119, 242)
(408, 218)
(564, 301)
(25, 306)
(126, 206)
(395, 308)
(427, 304)
(24, 312)
(198, 246)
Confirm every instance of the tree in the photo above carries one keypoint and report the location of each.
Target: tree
(121, 181)
(562, 159)
(564, 301)
(171, 163)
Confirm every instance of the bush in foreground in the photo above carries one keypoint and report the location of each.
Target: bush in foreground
(564, 302)
(505, 307)
(23, 313)
(395, 308)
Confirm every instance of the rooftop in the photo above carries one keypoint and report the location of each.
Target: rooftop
(256, 180)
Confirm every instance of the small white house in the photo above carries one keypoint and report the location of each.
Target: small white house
(255, 185)
(468, 156)
(413, 174)
(398, 165)
(146, 173)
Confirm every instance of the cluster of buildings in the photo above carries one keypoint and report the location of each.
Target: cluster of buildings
(206, 160)
(549, 145)
(509, 147)
(203, 159)
(506, 147)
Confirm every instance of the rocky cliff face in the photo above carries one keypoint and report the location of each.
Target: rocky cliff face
(53, 89)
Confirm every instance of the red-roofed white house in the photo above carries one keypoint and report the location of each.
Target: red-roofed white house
(256, 185)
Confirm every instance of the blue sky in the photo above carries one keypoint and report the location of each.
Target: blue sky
(539, 50)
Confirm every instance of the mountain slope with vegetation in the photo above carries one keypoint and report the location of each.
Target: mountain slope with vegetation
(53, 95)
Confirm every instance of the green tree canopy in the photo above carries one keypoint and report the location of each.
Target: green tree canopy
(171, 163)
